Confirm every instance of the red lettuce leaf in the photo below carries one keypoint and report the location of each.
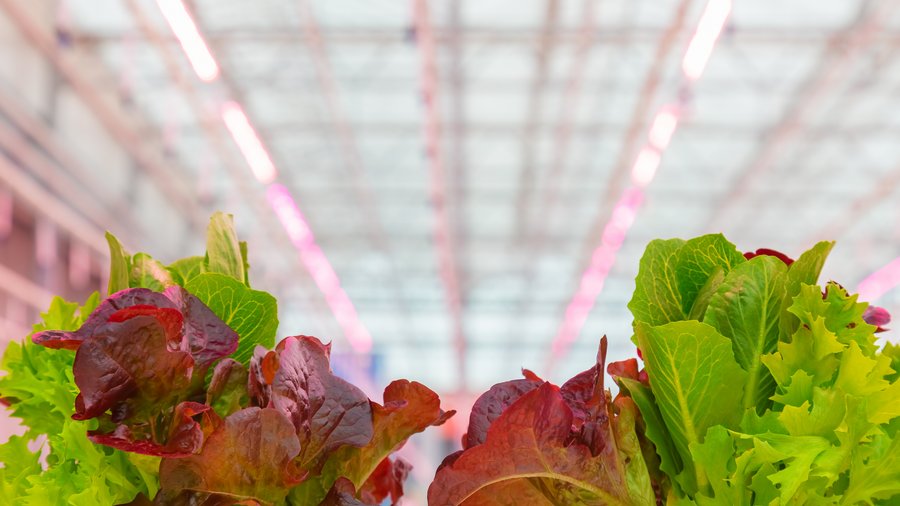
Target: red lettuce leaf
(342, 493)
(185, 435)
(227, 391)
(492, 403)
(202, 333)
(386, 481)
(138, 357)
(409, 407)
(586, 397)
(129, 367)
(326, 411)
(71, 340)
(207, 335)
(769, 252)
(528, 458)
(249, 456)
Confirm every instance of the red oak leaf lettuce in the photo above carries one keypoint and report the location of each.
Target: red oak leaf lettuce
(491, 405)
(551, 446)
(386, 481)
(326, 411)
(249, 456)
(138, 357)
(342, 493)
(409, 407)
(203, 333)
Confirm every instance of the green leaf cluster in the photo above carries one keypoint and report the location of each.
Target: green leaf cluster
(38, 382)
(220, 279)
(764, 388)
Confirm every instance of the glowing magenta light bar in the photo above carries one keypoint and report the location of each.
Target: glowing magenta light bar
(593, 279)
(189, 37)
(248, 142)
(704, 40)
(880, 282)
(643, 171)
(318, 266)
(663, 127)
(645, 166)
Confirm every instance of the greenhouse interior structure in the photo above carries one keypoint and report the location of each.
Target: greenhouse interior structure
(454, 193)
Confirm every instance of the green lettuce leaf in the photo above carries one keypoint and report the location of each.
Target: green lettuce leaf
(119, 265)
(186, 269)
(224, 253)
(697, 384)
(655, 427)
(747, 309)
(804, 271)
(146, 272)
(40, 385)
(874, 472)
(673, 273)
(253, 314)
(697, 260)
(656, 299)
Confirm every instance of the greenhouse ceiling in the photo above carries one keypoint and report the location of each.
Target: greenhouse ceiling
(448, 185)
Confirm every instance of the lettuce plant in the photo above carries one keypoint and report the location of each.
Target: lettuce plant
(169, 390)
(759, 387)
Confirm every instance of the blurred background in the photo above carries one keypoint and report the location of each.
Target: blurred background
(454, 189)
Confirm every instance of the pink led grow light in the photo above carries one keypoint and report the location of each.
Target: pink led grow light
(704, 39)
(645, 166)
(319, 267)
(880, 282)
(248, 142)
(594, 277)
(663, 127)
(189, 37)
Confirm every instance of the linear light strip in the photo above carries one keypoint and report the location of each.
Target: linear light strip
(319, 267)
(704, 40)
(249, 142)
(665, 123)
(880, 282)
(185, 30)
(279, 197)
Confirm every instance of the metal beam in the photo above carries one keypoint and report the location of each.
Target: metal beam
(565, 127)
(214, 132)
(859, 207)
(457, 182)
(46, 204)
(444, 233)
(821, 82)
(50, 172)
(533, 121)
(489, 36)
(536, 218)
(635, 131)
(349, 150)
(117, 126)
